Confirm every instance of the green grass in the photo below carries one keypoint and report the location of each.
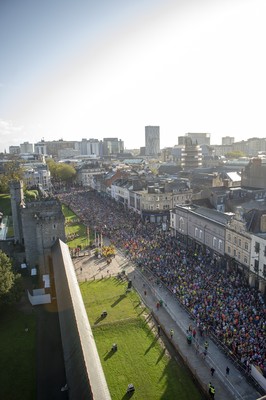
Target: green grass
(5, 204)
(10, 231)
(75, 228)
(141, 358)
(18, 355)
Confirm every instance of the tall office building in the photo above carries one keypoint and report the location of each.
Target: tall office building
(152, 140)
(26, 147)
(199, 138)
(112, 146)
(227, 140)
(191, 156)
(90, 147)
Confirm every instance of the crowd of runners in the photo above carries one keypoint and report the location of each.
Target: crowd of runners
(221, 302)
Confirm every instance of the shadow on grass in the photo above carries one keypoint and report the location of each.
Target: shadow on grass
(101, 318)
(141, 312)
(147, 320)
(128, 395)
(109, 354)
(119, 281)
(161, 356)
(120, 298)
(137, 305)
(153, 343)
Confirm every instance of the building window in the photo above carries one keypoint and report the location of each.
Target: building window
(238, 256)
(196, 232)
(256, 266)
(239, 242)
(257, 247)
(264, 270)
(181, 224)
(229, 250)
(235, 240)
(265, 251)
(234, 253)
(214, 242)
(220, 244)
(229, 237)
(246, 246)
(200, 234)
(245, 260)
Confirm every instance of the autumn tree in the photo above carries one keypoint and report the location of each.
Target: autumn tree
(10, 282)
(61, 171)
(235, 154)
(12, 171)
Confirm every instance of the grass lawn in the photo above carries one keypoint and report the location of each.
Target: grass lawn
(141, 358)
(76, 228)
(18, 355)
(5, 204)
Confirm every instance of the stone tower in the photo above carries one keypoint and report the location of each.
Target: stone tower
(43, 223)
(17, 204)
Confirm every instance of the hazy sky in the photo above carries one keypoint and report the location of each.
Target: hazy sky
(76, 69)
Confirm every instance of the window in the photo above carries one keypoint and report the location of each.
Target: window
(265, 250)
(214, 242)
(238, 255)
(234, 239)
(256, 266)
(229, 237)
(246, 246)
(181, 224)
(245, 260)
(257, 247)
(264, 270)
(196, 232)
(220, 244)
(234, 253)
(229, 250)
(200, 234)
(239, 242)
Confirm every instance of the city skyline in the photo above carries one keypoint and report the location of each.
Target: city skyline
(89, 70)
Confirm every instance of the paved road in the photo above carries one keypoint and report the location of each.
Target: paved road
(172, 316)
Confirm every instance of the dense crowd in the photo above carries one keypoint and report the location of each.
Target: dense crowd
(220, 301)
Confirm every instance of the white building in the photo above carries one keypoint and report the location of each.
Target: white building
(37, 174)
(26, 147)
(258, 261)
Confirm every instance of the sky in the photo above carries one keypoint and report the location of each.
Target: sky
(73, 69)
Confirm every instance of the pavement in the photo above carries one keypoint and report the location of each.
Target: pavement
(172, 316)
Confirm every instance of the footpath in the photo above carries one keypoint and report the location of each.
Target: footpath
(171, 316)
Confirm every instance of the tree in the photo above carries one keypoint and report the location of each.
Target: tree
(66, 172)
(10, 283)
(12, 171)
(61, 171)
(235, 154)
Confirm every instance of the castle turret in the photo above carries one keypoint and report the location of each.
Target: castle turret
(43, 223)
